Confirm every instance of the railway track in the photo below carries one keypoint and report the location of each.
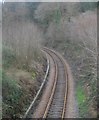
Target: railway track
(54, 99)
(56, 107)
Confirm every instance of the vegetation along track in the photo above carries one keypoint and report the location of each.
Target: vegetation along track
(54, 99)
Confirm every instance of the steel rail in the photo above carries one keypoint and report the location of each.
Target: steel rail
(66, 90)
(53, 90)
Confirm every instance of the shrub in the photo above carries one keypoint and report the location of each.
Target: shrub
(8, 57)
(11, 96)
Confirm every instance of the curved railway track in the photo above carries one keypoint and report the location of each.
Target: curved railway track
(56, 107)
(54, 99)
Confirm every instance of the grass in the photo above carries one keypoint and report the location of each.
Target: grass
(81, 98)
(80, 95)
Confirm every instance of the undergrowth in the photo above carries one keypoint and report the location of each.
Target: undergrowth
(19, 85)
(11, 96)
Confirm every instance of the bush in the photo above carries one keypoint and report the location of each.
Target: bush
(8, 57)
(11, 96)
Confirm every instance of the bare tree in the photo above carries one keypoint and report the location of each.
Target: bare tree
(48, 12)
(84, 29)
(22, 36)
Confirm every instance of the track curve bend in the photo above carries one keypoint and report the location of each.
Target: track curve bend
(54, 99)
